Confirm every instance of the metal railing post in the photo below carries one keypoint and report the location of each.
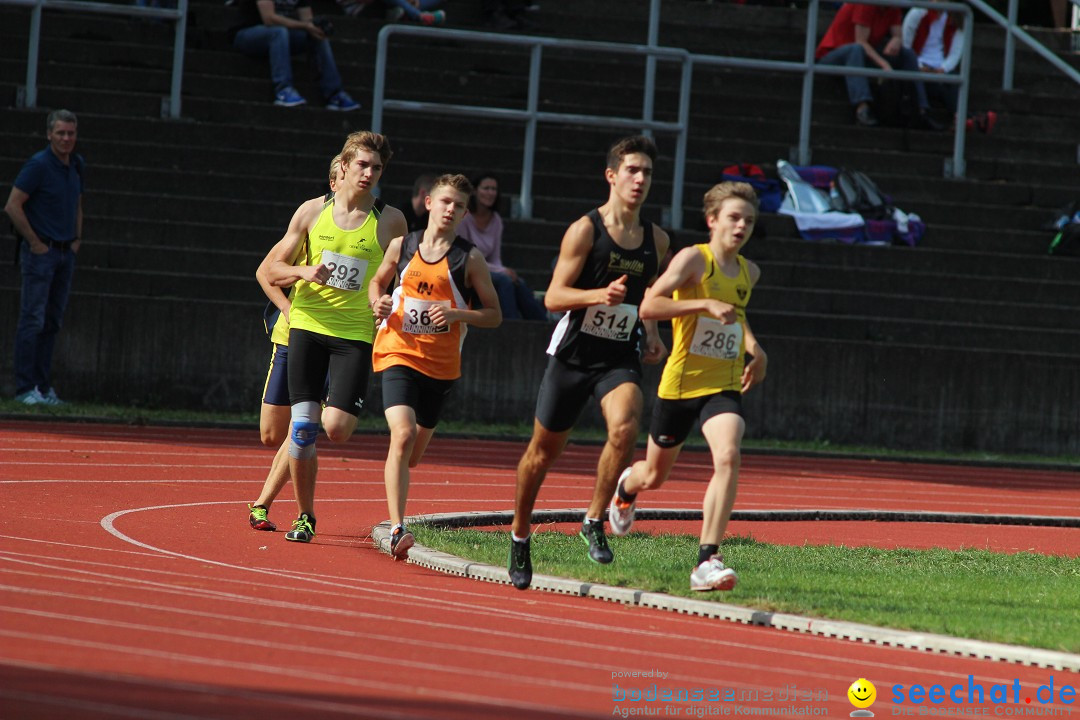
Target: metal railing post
(681, 142)
(379, 89)
(1010, 48)
(806, 109)
(179, 37)
(959, 164)
(649, 101)
(32, 55)
(529, 150)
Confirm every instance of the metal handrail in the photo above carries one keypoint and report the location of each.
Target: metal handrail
(1013, 33)
(27, 96)
(531, 115)
(956, 168)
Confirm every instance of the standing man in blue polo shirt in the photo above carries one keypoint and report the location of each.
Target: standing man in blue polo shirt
(45, 206)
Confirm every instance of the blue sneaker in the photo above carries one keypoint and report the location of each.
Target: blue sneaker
(288, 97)
(341, 101)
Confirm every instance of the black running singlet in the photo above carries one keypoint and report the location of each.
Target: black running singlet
(601, 336)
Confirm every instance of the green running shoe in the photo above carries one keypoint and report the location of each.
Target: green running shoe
(593, 535)
(258, 519)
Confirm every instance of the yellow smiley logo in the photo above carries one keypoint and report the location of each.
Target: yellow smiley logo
(862, 693)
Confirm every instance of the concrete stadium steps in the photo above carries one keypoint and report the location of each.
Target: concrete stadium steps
(909, 332)
(941, 284)
(778, 299)
(976, 261)
(187, 209)
(246, 79)
(537, 242)
(181, 286)
(213, 263)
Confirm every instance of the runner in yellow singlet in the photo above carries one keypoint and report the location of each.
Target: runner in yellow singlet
(704, 292)
(332, 325)
(274, 415)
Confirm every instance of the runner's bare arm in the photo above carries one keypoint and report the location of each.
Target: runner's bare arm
(561, 294)
(280, 270)
(687, 268)
(655, 350)
(754, 372)
(478, 277)
(274, 292)
(381, 303)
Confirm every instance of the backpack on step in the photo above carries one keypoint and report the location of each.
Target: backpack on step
(853, 191)
(768, 191)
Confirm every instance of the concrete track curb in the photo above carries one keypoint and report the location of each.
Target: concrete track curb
(928, 642)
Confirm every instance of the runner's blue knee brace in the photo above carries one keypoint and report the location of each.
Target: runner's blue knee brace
(305, 429)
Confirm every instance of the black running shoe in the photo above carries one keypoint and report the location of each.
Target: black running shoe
(303, 529)
(520, 564)
(593, 535)
(400, 542)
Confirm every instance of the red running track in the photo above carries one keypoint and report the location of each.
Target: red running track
(132, 587)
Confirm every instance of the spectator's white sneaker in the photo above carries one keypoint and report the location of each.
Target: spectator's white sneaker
(620, 516)
(31, 397)
(50, 397)
(712, 575)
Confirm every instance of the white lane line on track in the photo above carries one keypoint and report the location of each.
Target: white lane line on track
(722, 667)
(379, 587)
(532, 657)
(108, 524)
(711, 657)
(294, 649)
(888, 500)
(292, 671)
(628, 655)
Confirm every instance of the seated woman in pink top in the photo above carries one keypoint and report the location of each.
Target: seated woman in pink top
(483, 227)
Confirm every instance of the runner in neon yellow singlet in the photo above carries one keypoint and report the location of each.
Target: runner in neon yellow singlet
(332, 324)
(276, 408)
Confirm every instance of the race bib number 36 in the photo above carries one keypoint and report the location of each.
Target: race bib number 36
(610, 323)
(417, 317)
(346, 272)
(716, 340)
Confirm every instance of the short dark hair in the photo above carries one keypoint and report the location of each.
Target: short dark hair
(454, 182)
(629, 145)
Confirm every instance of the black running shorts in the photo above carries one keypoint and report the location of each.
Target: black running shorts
(313, 355)
(403, 385)
(672, 420)
(566, 388)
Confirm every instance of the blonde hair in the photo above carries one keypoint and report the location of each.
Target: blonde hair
(720, 192)
(335, 165)
(366, 140)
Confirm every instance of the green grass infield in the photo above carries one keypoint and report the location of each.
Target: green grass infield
(1022, 599)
